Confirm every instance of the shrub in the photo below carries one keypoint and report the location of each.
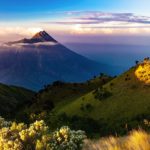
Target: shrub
(134, 86)
(82, 107)
(37, 136)
(102, 93)
(89, 107)
(58, 83)
(4, 123)
(20, 136)
(66, 139)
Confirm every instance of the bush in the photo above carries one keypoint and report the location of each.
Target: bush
(90, 126)
(66, 139)
(37, 136)
(89, 107)
(102, 93)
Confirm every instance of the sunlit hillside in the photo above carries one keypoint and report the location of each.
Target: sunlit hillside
(119, 105)
(143, 71)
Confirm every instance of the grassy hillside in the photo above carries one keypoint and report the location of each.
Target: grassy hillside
(128, 97)
(59, 94)
(120, 104)
(101, 105)
(12, 99)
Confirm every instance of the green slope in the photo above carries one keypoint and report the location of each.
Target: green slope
(13, 99)
(59, 94)
(123, 100)
(128, 98)
(101, 105)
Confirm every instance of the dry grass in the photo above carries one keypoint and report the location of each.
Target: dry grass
(136, 140)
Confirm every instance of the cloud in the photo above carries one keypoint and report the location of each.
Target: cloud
(24, 46)
(29, 44)
(120, 17)
(19, 30)
(10, 33)
(93, 17)
(74, 23)
(117, 27)
(87, 21)
(71, 22)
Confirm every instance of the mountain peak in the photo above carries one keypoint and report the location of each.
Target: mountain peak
(43, 37)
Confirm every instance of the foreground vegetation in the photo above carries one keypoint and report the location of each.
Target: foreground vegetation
(117, 106)
(37, 136)
(136, 140)
(101, 106)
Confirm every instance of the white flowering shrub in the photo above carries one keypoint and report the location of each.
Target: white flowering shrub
(66, 139)
(37, 136)
(4, 123)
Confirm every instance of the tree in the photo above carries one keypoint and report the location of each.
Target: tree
(136, 62)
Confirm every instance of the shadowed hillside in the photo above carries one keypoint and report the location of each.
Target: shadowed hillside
(13, 99)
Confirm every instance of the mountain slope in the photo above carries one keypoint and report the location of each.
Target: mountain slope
(110, 107)
(102, 105)
(34, 62)
(12, 99)
(55, 96)
(128, 96)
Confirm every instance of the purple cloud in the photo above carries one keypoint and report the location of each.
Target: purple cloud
(97, 17)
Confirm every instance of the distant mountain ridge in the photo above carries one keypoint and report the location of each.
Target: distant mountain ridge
(33, 63)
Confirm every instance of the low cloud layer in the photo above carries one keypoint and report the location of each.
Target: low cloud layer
(29, 44)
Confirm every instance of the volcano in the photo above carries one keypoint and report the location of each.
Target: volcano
(41, 36)
(33, 63)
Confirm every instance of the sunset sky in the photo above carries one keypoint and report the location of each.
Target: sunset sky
(127, 21)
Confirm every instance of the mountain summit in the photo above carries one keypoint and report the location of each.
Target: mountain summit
(41, 36)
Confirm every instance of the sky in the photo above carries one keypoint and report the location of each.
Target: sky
(80, 21)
